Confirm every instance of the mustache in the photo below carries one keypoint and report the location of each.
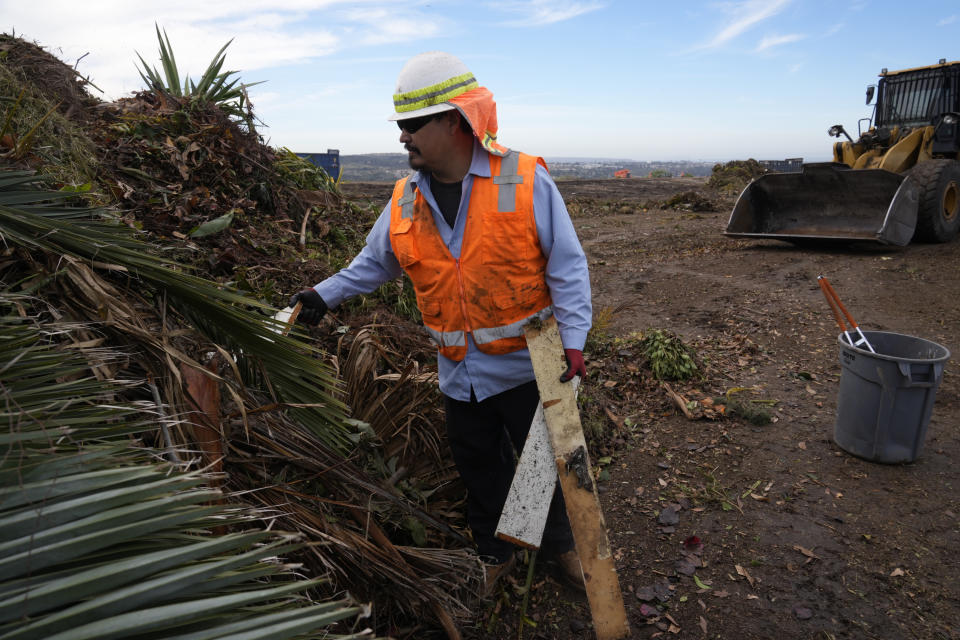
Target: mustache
(410, 147)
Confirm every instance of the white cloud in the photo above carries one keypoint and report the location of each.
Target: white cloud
(535, 13)
(745, 15)
(774, 41)
(948, 20)
(834, 29)
(386, 26)
(264, 34)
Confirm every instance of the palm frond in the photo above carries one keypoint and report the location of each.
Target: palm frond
(98, 539)
(241, 325)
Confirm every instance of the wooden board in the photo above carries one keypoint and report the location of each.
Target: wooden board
(576, 481)
(524, 515)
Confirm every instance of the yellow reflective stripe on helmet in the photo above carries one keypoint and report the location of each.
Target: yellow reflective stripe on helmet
(434, 94)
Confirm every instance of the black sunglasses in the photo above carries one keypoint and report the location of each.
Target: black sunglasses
(412, 125)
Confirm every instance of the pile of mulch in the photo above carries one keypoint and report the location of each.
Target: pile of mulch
(233, 208)
(56, 81)
(190, 175)
(226, 206)
(690, 201)
(733, 176)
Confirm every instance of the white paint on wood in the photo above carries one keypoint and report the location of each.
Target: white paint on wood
(524, 515)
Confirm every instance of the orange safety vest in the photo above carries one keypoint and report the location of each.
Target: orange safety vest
(498, 284)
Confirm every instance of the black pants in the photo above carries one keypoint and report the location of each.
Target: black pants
(484, 437)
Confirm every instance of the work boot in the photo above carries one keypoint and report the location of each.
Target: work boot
(570, 570)
(493, 572)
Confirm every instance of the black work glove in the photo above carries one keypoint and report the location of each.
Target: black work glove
(313, 309)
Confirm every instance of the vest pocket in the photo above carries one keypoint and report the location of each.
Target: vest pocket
(430, 309)
(404, 246)
(505, 238)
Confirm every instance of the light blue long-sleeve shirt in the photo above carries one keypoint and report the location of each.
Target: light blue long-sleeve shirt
(566, 276)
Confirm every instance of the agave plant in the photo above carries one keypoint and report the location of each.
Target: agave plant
(215, 86)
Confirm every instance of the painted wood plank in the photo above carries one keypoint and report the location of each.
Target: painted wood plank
(524, 516)
(576, 481)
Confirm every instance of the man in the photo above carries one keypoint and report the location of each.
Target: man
(484, 235)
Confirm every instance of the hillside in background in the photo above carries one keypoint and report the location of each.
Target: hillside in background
(387, 167)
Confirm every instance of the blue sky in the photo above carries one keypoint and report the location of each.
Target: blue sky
(572, 78)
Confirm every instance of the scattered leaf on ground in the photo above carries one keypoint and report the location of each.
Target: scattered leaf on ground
(669, 516)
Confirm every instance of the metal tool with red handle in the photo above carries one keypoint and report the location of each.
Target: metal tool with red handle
(837, 307)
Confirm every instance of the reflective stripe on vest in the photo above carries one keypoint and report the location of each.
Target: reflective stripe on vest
(507, 182)
(447, 338)
(498, 284)
(512, 330)
(484, 336)
(406, 202)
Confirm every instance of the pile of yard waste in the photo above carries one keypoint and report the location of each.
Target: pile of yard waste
(177, 234)
(690, 201)
(733, 176)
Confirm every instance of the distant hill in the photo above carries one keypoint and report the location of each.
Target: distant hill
(374, 167)
(601, 168)
(387, 167)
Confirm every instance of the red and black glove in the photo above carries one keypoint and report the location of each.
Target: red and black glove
(313, 309)
(575, 365)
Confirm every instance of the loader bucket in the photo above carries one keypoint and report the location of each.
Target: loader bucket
(828, 202)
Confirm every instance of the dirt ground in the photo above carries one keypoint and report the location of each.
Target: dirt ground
(727, 529)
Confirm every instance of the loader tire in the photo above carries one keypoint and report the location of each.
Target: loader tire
(938, 218)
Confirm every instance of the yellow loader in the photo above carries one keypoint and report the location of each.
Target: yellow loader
(899, 181)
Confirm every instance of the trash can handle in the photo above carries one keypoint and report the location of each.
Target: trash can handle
(927, 375)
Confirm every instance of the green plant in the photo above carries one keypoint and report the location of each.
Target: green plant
(401, 296)
(37, 133)
(754, 412)
(669, 358)
(714, 491)
(215, 86)
(302, 173)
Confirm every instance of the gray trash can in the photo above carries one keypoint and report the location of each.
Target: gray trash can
(886, 398)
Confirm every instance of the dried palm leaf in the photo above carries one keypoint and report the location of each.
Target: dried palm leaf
(100, 540)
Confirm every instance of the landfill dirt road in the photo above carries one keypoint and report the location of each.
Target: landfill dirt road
(726, 529)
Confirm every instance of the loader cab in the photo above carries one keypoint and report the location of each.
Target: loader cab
(916, 97)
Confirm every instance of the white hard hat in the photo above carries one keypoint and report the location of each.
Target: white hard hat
(427, 82)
